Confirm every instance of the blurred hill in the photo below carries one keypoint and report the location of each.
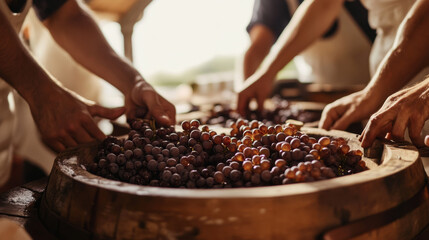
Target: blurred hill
(217, 64)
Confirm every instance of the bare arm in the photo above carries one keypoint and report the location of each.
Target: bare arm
(261, 40)
(406, 58)
(64, 119)
(408, 55)
(17, 66)
(312, 19)
(76, 31)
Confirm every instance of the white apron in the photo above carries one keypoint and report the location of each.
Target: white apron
(7, 115)
(340, 60)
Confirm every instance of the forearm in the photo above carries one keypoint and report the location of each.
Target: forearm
(311, 20)
(408, 55)
(252, 59)
(75, 31)
(18, 68)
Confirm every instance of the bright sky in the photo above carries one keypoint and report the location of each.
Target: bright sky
(175, 35)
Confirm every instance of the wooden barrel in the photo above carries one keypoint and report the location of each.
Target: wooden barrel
(389, 201)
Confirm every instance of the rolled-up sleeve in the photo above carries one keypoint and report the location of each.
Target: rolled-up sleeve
(274, 14)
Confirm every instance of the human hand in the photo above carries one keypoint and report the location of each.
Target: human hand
(65, 119)
(344, 111)
(258, 86)
(406, 108)
(145, 100)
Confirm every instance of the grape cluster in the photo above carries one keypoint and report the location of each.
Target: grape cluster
(253, 154)
(223, 114)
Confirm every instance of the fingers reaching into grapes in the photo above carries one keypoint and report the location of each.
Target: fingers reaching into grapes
(66, 120)
(243, 103)
(144, 99)
(341, 113)
(404, 109)
(257, 87)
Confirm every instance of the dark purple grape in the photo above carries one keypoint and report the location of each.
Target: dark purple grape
(169, 145)
(182, 149)
(165, 152)
(138, 165)
(166, 175)
(226, 171)
(148, 148)
(190, 184)
(138, 153)
(218, 148)
(180, 168)
(128, 145)
(218, 177)
(154, 183)
(174, 152)
(156, 150)
(184, 140)
(309, 157)
(176, 180)
(137, 124)
(235, 165)
(207, 145)
(129, 165)
(138, 142)
(121, 159)
(116, 148)
(192, 142)
(220, 166)
(171, 162)
(102, 163)
(266, 176)
(111, 157)
(235, 175)
(113, 168)
(148, 133)
(255, 179)
(161, 166)
(152, 165)
(198, 162)
(194, 175)
(174, 137)
(210, 182)
(247, 175)
(297, 154)
(201, 182)
(198, 148)
(195, 134)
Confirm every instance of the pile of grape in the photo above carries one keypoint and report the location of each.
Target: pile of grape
(254, 154)
(223, 114)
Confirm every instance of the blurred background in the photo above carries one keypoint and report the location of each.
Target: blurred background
(179, 44)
